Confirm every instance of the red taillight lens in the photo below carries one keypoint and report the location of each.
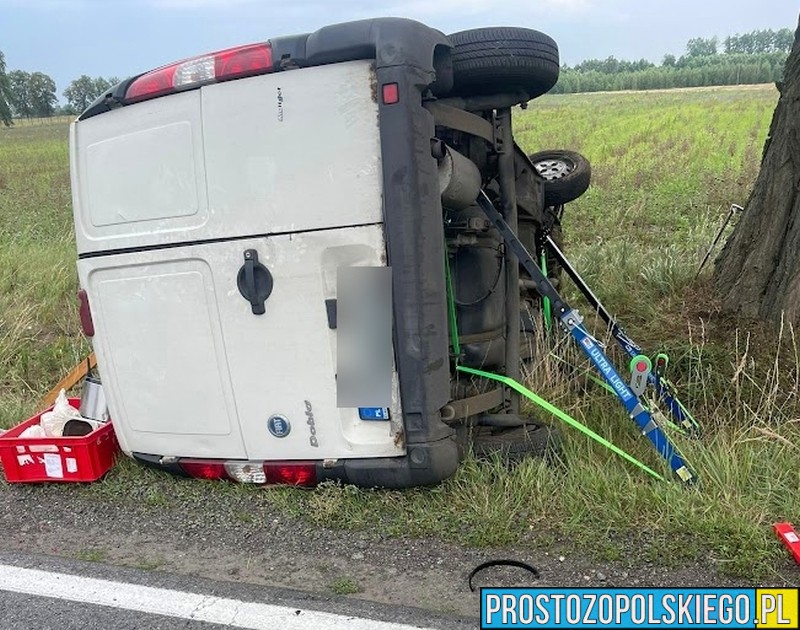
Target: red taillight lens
(242, 62)
(232, 63)
(295, 474)
(85, 313)
(152, 84)
(204, 469)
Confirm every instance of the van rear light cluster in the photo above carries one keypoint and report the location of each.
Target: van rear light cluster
(232, 63)
(292, 474)
(286, 473)
(204, 469)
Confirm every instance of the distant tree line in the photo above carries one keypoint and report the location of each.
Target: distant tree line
(755, 57)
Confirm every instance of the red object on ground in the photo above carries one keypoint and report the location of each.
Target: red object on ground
(790, 538)
(84, 458)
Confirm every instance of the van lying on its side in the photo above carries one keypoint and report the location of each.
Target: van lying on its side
(217, 201)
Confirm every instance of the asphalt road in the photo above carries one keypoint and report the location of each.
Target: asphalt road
(45, 592)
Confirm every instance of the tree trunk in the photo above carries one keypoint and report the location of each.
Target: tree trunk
(757, 273)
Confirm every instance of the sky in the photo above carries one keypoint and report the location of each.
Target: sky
(68, 38)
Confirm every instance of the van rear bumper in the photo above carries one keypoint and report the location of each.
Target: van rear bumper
(424, 464)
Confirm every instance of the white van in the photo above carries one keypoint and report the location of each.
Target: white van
(216, 201)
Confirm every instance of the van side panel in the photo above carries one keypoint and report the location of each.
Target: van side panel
(123, 187)
(284, 361)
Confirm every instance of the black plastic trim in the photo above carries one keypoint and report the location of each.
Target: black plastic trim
(415, 242)
(111, 99)
(331, 311)
(390, 41)
(154, 461)
(425, 464)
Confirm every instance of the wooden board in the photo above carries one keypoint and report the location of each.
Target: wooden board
(70, 380)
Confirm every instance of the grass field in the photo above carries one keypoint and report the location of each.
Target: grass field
(666, 167)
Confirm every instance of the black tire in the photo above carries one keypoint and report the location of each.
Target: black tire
(567, 175)
(501, 60)
(515, 443)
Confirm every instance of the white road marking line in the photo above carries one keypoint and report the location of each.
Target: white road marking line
(160, 601)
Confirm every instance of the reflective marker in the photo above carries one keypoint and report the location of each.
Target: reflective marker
(391, 93)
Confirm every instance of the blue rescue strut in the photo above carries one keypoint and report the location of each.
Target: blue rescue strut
(573, 323)
(664, 389)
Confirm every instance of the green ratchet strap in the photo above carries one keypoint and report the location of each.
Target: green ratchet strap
(451, 306)
(546, 312)
(561, 415)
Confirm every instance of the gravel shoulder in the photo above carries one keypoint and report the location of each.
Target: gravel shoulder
(214, 541)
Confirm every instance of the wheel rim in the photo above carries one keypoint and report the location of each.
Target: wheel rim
(554, 168)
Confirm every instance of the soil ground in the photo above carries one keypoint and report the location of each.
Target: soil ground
(211, 541)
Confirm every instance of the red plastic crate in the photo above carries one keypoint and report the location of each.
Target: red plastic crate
(789, 538)
(78, 458)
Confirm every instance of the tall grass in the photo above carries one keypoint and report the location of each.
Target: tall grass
(39, 334)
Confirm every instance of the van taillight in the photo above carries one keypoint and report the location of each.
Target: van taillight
(204, 469)
(232, 63)
(304, 474)
(286, 473)
(85, 312)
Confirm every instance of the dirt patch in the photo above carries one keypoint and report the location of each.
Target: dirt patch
(220, 542)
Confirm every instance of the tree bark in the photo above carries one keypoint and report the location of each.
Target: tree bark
(757, 274)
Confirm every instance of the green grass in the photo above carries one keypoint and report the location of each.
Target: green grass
(39, 332)
(666, 167)
(149, 564)
(91, 555)
(344, 586)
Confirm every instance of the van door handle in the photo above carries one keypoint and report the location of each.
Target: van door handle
(254, 282)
